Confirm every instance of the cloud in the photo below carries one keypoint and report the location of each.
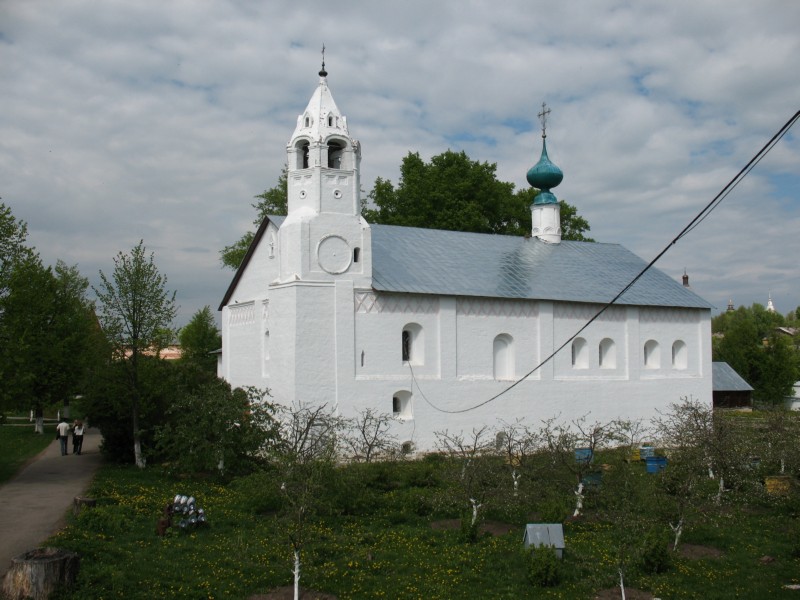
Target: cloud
(144, 120)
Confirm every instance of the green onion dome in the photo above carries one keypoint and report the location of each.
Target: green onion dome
(544, 175)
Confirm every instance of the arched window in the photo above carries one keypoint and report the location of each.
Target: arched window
(413, 346)
(503, 352)
(330, 120)
(335, 150)
(401, 405)
(652, 355)
(302, 154)
(580, 354)
(680, 355)
(608, 354)
(307, 122)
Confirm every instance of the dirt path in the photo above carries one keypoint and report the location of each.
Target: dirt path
(34, 504)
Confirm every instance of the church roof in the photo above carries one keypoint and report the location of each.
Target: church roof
(451, 263)
(430, 261)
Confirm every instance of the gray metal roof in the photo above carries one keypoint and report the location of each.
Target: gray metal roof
(725, 379)
(431, 261)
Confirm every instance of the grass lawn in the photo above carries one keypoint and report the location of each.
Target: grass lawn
(375, 540)
(20, 443)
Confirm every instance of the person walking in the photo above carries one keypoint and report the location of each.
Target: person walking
(77, 436)
(63, 433)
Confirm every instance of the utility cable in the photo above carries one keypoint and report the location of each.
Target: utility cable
(699, 218)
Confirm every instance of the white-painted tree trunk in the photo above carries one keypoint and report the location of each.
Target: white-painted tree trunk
(476, 506)
(38, 427)
(677, 529)
(578, 500)
(296, 572)
(720, 490)
(516, 477)
(137, 453)
(621, 583)
(783, 466)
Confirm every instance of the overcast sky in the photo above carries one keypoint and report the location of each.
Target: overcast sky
(129, 120)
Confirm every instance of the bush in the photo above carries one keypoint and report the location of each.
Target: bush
(655, 556)
(544, 567)
(469, 530)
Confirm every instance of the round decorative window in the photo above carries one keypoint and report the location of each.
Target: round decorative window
(302, 193)
(337, 194)
(333, 254)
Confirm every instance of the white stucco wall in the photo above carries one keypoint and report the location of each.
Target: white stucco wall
(333, 344)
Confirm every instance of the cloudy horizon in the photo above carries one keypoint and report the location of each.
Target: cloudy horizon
(128, 120)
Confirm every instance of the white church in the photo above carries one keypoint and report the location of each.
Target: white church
(435, 326)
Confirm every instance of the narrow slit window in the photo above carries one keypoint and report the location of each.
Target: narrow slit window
(356, 254)
(406, 345)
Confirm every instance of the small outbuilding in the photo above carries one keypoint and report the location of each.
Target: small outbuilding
(730, 390)
(545, 534)
(793, 402)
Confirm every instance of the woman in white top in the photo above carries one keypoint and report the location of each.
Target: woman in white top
(77, 437)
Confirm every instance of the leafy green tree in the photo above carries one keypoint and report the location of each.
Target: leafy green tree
(135, 309)
(270, 202)
(455, 193)
(214, 428)
(199, 338)
(13, 235)
(749, 341)
(48, 334)
(450, 192)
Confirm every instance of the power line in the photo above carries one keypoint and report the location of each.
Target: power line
(699, 218)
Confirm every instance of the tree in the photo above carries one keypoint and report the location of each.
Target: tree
(199, 338)
(455, 193)
(474, 472)
(369, 437)
(271, 202)
(519, 446)
(215, 428)
(561, 442)
(48, 334)
(305, 456)
(748, 340)
(13, 234)
(135, 309)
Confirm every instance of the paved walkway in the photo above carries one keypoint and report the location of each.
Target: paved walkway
(34, 504)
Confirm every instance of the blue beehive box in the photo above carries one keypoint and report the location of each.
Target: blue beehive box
(545, 534)
(655, 464)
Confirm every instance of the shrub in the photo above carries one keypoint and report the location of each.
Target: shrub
(469, 530)
(544, 567)
(655, 556)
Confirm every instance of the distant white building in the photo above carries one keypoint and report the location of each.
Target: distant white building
(428, 324)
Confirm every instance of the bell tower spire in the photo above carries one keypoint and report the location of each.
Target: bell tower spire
(323, 236)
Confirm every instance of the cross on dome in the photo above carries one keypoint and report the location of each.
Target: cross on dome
(543, 118)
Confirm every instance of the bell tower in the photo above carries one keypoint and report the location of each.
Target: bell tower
(324, 237)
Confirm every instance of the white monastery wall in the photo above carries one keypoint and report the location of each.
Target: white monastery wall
(349, 348)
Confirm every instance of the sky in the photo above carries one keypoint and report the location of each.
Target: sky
(131, 120)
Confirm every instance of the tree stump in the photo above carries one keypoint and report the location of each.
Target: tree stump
(79, 503)
(38, 573)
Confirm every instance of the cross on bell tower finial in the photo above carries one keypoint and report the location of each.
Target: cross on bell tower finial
(323, 72)
(543, 118)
